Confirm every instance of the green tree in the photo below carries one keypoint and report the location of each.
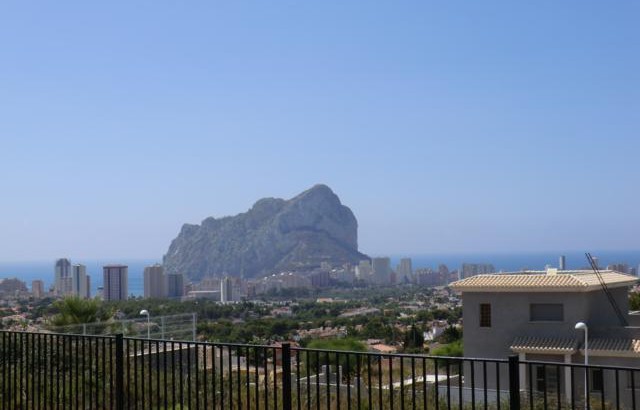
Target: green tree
(73, 311)
(258, 355)
(414, 340)
(634, 301)
(347, 361)
(377, 328)
(451, 350)
(450, 335)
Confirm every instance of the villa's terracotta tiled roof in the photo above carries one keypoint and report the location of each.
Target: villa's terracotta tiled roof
(613, 347)
(544, 345)
(557, 345)
(541, 281)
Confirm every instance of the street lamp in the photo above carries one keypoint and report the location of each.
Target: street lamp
(583, 326)
(145, 312)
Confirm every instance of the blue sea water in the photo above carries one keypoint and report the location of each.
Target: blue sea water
(29, 271)
(509, 262)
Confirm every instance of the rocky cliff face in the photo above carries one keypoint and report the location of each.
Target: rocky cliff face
(274, 235)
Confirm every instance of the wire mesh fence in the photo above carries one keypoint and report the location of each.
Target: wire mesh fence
(172, 327)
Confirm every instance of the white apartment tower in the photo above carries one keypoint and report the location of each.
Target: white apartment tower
(226, 290)
(80, 281)
(62, 284)
(405, 271)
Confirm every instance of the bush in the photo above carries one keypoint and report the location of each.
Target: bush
(333, 359)
(634, 301)
(451, 350)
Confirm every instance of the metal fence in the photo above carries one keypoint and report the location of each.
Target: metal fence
(60, 371)
(170, 327)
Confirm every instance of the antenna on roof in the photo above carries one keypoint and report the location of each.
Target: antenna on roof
(612, 301)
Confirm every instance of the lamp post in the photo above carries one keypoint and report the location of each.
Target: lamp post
(145, 312)
(583, 326)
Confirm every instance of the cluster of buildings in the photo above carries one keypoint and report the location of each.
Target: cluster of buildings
(159, 284)
(623, 268)
(378, 271)
(73, 280)
(226, 289)
(70, 280)
(440, 277)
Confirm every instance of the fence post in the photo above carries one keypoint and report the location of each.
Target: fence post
(514, 382)
(119, 371)
(286, 376)
(193, 326)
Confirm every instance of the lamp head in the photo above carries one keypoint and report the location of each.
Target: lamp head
(581, 326)
(144, 312)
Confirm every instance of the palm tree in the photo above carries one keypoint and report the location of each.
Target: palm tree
(73, 311)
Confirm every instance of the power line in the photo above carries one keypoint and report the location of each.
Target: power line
(605, 288)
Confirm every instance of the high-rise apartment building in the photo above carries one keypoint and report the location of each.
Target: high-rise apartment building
(226, 290)
(620, 267)
(62, 284)
(404, 271)
(363, 270)
(37, 288)
(155, 282)
(472, 269)
(115, 282)
(443, 273)
(80, 282)
(381, 270)
(175, 285)
(320, 279)
(562, 263)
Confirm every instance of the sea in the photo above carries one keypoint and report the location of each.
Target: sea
(507, 262)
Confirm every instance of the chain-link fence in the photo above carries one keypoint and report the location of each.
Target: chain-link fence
(173, 327)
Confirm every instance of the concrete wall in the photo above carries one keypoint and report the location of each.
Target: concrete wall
(601, 315)
(634, 319)
(510, 318)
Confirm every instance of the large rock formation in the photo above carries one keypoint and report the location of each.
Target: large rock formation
(274, 235)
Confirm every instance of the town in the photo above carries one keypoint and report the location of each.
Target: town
(475, 313)
(387, 310)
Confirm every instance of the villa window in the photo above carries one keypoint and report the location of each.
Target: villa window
(546, 312)
(485, 315)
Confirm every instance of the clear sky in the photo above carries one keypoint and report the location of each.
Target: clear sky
(446, 126)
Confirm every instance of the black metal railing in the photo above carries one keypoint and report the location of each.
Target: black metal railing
(55, 371)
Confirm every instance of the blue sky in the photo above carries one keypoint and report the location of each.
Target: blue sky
(445, 126)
